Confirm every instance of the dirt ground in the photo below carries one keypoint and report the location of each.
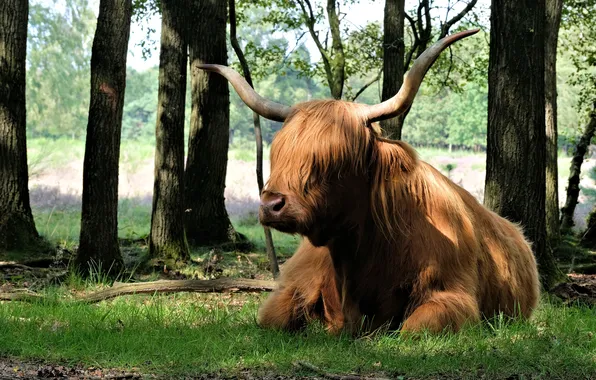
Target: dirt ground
(15, 369)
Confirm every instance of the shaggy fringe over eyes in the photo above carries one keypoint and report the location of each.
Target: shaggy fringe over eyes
(320, 139)
(326, 139)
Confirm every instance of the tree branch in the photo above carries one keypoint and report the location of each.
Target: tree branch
(416, 43)
(447, 25)
(450, 67)
(20, 296)
(337, 49)
(419, 14)
(219, 285)
(367, 85)
(258, 134)
(310, 23)
(425, 31)
(294, 48)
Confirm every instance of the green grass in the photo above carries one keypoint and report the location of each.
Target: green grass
(429, 154)
(62, 226)
(480, 167)
(246, 150)
(285, 244)
(194, 334)
(44, 153)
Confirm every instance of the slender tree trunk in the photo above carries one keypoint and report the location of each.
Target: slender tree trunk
(274, 266)
(334, 61)
(167, 240)
(206, 218)
(17, 229)
(553, 20)
(589, 237)
(338, 60)
(393, 61)
(516, 150)
(98, 247)
(574, 173)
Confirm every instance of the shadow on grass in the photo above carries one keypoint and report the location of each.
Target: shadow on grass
(194, 334)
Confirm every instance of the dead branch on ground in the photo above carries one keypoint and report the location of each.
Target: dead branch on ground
(220, 285)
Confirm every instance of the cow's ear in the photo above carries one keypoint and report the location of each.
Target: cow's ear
(394, 156)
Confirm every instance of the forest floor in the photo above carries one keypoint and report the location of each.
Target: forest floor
(214, 336)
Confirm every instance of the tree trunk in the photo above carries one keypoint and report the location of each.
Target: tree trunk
(553, 20)
(98, 247)
(206, 218)
(338, 60)
(167, 240)
(269, 247)
(574, 173)
(516, 149)
(393, 61)
(588, 239)
(17, 228)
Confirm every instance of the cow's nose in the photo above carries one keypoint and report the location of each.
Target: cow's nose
(272, 204)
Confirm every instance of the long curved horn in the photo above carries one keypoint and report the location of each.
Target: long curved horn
(404, 98)
(266, 108)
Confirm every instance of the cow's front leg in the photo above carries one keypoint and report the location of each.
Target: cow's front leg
(284, 309)
(290, 308)
(307, 291)
(448, 310)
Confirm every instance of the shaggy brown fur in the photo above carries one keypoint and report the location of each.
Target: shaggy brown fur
(389, 239)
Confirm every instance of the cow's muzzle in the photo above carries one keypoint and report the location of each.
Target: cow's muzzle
(273, 207)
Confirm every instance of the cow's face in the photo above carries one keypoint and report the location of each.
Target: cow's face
(323, 160)
(318, 183)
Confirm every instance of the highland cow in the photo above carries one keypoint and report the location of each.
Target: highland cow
(388, 240)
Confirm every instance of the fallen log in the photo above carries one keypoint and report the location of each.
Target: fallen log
(14, 264)
(20, 296)
(219, 285)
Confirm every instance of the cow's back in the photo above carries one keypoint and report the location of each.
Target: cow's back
(507, 272)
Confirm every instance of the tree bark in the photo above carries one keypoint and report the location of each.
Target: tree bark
(574, 173)
(206, 218)
(333, 60)
(393, 61)
(17, 228)
(218, 285)
(269, 247)
(516, 149)
(338, 59)
(553, 20)
(98, 247)
(167, 239)
(588, 239)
